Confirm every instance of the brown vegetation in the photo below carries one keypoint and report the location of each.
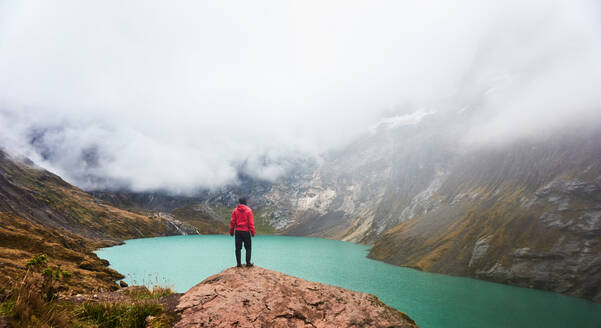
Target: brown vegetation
(39, 300)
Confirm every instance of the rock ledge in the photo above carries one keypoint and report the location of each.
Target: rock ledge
(256, 297)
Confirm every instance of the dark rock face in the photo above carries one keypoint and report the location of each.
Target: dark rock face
(256, 297)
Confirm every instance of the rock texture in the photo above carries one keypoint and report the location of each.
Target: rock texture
(256, 297)
(525, 213)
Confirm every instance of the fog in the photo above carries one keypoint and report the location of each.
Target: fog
(176, 96)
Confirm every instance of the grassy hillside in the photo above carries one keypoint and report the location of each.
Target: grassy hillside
(46, 199)
(41, 213)
(21, 239)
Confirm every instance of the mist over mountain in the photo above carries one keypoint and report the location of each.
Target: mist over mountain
(147, 96)
(524, 211)
(461, 138)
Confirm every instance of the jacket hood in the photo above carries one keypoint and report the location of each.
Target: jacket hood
(242, 208)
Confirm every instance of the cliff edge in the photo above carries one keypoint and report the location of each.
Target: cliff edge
(256, 297)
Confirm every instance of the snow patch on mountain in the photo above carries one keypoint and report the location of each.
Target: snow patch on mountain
(400, 120)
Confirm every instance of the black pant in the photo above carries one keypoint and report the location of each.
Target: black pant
(243, 237)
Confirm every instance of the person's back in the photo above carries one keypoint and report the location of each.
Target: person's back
(243, 225)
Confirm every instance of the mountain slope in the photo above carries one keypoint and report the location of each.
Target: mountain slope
(523, 211)
(527, 214)
(41, 213)
(208, 211)
(44, 198)
(21, 240)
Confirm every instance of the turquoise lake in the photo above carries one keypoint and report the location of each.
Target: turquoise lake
(432, 300)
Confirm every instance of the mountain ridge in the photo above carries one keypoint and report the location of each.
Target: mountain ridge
(523, 211)
(42, 214)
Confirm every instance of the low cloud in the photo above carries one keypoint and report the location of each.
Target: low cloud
(149, 95)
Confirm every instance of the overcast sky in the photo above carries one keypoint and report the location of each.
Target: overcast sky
(177, 95)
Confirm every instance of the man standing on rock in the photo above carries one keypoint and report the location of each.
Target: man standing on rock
(243, 223)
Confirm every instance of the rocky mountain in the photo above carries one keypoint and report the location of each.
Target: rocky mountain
(256, 297)
(524, 212)
(42, 214)
(44, 198)
(209, 210)
(178, 209)
(521, 210)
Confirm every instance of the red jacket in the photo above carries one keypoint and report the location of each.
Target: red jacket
(242, 220)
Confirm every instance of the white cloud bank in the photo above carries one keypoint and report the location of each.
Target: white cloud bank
(179, 95)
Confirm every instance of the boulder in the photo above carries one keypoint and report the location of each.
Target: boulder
(256, 297)
(87, 265)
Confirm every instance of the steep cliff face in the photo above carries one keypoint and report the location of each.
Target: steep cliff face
(525, 214)
(360, 191)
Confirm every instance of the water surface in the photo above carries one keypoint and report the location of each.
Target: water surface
(432, 300)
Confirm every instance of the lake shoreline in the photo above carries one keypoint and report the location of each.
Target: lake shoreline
(417, 293)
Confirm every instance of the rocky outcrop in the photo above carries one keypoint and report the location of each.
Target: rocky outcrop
(480, 248)
(256, 297)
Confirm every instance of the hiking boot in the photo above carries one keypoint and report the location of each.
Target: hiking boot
(238, 265)
(248, 265)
